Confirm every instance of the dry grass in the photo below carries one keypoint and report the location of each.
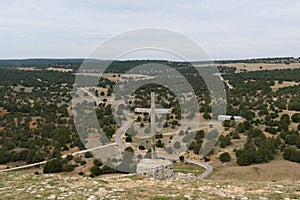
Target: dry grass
(277, 170)
(28, 186)
(261, 66)
(283, 84)
(185, 168)
(3, 112)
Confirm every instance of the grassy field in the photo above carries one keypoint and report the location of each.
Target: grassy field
(187, 168)
(20, 185)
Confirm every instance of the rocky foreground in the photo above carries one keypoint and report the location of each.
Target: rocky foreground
(21, 185)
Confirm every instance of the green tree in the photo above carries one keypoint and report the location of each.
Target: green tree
(53, 166)
(97, 162)
(95, 171)
(160, 144)
(296, 117)
(245, 159)
(225, 157)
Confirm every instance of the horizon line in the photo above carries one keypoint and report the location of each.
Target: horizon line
(141, 59)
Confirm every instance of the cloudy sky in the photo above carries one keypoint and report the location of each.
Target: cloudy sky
(226, 29)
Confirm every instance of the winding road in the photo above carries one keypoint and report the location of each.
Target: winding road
(208, 168)
(64, 156)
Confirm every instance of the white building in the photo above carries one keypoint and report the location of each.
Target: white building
(228, 117)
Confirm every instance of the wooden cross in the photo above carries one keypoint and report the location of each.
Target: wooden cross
(152, 111)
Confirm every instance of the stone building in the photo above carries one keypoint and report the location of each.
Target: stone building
(155, 168)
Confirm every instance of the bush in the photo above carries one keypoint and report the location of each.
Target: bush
(128, 139)
(141, 147)
(69, 157)
(95, 171)
(244, 159)
(181, 158)
(159, 143)
(81, 173)
(291, 139)
(53, 166)
(292, 154)
(206, 159)
(235, 135)
(298, 142)
(225, 157)
(129, 149)
(68, 167)
(88, 155)
(271, 130)
(77, 159)
(296, 117)
(97, 162)
(106, 170)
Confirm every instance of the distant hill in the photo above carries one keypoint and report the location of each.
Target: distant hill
(38, 62)
(122, 66)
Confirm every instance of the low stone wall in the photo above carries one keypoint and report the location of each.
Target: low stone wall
(155, 168)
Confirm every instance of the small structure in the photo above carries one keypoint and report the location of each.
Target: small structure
(229, 117)
(152, 111)
(155, 168)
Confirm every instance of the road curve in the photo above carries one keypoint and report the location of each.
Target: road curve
(208, 168)
(121, 130)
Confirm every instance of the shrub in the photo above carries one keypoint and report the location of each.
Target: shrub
(292, 154)
(206, 159)
(296, 117)
(128, 139)
(53, 166)
(81, 173)
(129, 149)
(97, 162)
(88, 155)
(225, 157)
(159, 143)
(298, 142)
(181, 158)
(244, 159)
(141, 147)
(95, 171)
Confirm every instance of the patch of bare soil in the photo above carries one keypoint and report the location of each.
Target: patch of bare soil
(3, 112)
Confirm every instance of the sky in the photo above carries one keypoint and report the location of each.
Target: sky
(226, 29)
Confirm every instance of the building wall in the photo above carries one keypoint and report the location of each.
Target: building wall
(156, 170)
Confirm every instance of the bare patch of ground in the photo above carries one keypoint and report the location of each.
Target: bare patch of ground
(3, 112)
(29, 69)
(59, 69)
